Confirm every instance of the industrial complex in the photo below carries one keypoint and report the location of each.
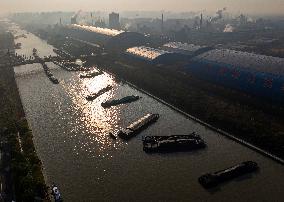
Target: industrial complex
(105, 92)
(257, 75)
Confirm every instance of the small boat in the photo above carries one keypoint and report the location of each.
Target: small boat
(18, 46)
(113, 136)
(56, 194)
(34, 51)
(56, 51)
(210, 180)
(54, 80)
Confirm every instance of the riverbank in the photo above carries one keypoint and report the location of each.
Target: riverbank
(21, 170)
(25, 176)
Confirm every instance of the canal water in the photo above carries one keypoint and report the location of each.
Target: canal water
(71, 138)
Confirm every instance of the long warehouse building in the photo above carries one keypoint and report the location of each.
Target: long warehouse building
(257, 75)
(254, 74)
(110, 39)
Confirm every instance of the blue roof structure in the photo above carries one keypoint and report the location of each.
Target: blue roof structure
(185, 48)
(257, 75)
(247, 61)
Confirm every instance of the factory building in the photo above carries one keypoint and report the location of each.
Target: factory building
(121, 42)
(114, 21)
(145, 53)
(110, 39)
(154, 56)
(168, 54)
(185, 48)
(256, 75)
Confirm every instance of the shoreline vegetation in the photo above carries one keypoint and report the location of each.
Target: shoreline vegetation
(26, 167)
(21, 169)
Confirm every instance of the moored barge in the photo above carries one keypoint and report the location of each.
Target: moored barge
(173, 143)
(70, 66)
(127, 99)
(49, 74)
(137, 126)
(91, 74)
(99, 93)
(210, 180)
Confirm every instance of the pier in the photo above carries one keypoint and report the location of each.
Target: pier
(13, 60)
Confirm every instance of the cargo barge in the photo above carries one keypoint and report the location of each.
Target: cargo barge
(62, 53)
(99, 93)
(211, 180)
(49, 74)
(91, 74)
(70, 66)
(127, 99)
(137, 126)
(173, 143)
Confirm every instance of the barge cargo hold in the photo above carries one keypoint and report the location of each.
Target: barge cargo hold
(49, 74)
(99, 93)
(210, 180)
(70, 66)
(173, 143)
(91, 74)
(127, 99)
(137, 126)
(62, 53)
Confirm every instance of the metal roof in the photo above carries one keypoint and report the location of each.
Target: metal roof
(146, 53)
(249, 61)
(126, 40)
(182, 46)
(99, 30)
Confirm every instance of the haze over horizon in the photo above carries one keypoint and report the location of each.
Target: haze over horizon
(245, 6)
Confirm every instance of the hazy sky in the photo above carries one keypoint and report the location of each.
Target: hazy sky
(246, 6)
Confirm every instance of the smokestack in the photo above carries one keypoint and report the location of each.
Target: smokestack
(162, 28)
(74, 17)
(201, 20)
